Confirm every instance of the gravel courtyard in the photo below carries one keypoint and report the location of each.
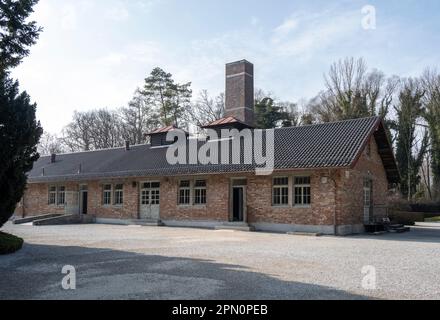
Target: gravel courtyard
(128, 262)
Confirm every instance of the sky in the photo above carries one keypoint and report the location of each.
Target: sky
(95, 53)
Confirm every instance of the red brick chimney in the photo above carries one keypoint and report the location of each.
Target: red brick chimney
(239, 95)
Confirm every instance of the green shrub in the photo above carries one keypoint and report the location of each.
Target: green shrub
(9, 243)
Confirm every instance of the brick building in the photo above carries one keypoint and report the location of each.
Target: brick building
(327, 178)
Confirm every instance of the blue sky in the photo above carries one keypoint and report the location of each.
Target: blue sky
(94, 53)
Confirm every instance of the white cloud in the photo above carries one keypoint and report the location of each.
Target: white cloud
(284, 29)
(68, 17)
(112, 59)
(117, 12)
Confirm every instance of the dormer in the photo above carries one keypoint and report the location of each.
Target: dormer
(158, 137)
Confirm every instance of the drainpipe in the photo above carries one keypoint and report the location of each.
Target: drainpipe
(335, 221)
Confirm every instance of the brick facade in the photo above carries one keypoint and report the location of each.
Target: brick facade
(347, 203)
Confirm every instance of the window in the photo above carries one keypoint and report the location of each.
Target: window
(200, 192)
(280, 195)
(107, 195)
(155, 197)
(367, 192)
(52, 195)
(302, 191)
(150, 193)
(61, 196)
(119, 194)
(185, 192)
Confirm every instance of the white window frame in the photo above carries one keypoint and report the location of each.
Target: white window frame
(200, 189)
(52, 193)
(302, 186)
(280, 187)
(186, 189)
(107, 192)
(118, 194)
(59, 193)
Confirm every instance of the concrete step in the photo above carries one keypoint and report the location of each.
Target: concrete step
(237, 226)
(148, 223)
(305, 234)
(35, 218)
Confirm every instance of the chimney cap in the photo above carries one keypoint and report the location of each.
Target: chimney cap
(240, 62)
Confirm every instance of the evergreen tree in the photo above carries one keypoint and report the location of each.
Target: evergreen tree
(172, 100)
(431, 83)
(19, 130)
(16, 35)
(268, 115)
(408, 111)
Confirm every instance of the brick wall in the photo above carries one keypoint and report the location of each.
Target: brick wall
(216, 208)
(260, 209)
(348, 203)
(351, 191)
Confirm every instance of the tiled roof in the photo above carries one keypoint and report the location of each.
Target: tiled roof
(224, 121)
(163, 130)
(329, 145)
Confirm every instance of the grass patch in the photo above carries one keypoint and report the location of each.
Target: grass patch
(9, 243)
(434, 219)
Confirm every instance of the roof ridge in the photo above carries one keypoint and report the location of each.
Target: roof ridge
(97, 150)
(328, 123)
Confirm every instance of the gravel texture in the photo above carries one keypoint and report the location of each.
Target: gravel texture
(127, 262)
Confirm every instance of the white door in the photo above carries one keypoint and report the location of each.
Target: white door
(367, 200)
(150, 201)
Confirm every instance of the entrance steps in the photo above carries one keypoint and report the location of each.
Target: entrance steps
(148, 223)
(237, 226)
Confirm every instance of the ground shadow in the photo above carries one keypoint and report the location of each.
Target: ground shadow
(35, 273)
(417, 234)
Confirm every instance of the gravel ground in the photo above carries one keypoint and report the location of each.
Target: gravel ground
(127, 262)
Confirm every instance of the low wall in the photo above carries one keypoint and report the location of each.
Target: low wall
(406, 218)
(66, 220)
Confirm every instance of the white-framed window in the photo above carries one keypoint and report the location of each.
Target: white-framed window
(52, 195)
(185, 192)
(145, 193)
(107, 195)
(150, 193)
(200, 192)
(280, 191)
(302, 191)
(119, 194)
(367, 192)
(61, 196)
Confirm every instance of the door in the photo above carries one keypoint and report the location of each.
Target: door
(150, 201)
(83, 199)
(238, 204)
(367, 200)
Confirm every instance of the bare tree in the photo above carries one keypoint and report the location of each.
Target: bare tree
(353, 92)
(77, 134)
(92, 130)
(139, 118)
(49, 144)
(207, 109)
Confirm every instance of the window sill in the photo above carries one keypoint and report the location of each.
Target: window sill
(281, 206)
(302, 207)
